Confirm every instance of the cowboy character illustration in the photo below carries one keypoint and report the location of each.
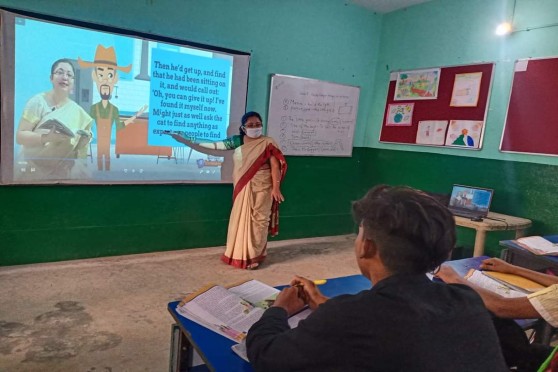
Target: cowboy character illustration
(105, 75)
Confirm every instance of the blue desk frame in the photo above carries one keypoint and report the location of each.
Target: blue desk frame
(515, 254)
(215, 350)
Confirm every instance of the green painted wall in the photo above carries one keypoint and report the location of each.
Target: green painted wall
(51, 223)
(42, 224)
(521, 189)
(331, 40)
(454, 32)
(457, 32)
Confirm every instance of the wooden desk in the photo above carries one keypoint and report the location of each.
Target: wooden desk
(493, 222)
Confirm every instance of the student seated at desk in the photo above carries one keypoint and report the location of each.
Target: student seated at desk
(542, 304)
(404, 323)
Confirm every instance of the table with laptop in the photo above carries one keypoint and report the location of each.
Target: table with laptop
(471, 208)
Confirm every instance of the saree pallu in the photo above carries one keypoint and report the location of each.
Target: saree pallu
(254, 213)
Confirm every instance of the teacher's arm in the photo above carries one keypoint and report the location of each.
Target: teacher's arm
(219, 145)
(276, 179)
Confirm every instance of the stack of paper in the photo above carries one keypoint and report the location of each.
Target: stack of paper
(516, 282)
(538, 245)
(484, 281)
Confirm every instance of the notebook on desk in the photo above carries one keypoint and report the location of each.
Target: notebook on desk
(470, 202)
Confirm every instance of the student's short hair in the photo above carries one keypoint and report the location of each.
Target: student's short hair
(413, 232)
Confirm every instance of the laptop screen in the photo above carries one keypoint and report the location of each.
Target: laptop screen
(470, 201)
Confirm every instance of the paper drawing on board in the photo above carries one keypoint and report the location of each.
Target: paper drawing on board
(466, 88)
(400, 114)
(432, 132)
(464, 133)
(417, 84)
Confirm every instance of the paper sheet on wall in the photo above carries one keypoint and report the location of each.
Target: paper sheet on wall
(464, 133)
(521, 65)
(466, 90)
(432, 132)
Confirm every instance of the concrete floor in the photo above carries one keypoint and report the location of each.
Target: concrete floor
(110, 314)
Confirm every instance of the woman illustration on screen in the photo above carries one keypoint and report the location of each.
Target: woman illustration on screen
(259, 167)
(54, 131)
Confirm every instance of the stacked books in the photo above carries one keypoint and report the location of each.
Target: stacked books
(538, 245)
(504, 284)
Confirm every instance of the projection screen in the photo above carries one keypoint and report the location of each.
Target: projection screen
(85, 105)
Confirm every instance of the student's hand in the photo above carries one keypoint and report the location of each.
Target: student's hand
(308, 292)
(448, 274)
(496, 264)
(289, 300)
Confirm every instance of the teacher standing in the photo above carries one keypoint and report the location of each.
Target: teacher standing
(259, 168)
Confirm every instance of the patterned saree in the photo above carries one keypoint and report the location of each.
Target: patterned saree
(254, 214)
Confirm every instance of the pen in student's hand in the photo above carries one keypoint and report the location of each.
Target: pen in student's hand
(316, 282)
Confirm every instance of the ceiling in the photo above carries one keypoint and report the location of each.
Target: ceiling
(386, 6)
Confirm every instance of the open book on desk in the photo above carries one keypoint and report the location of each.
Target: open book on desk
(538, 245)
(506, 285)
(230, 311)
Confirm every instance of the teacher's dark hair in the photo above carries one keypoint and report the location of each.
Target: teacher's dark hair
(245, 118)
(59, 61)
(413, 232)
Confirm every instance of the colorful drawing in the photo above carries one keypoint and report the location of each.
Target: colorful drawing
(233, 333)
(432, 132)
(464, 133)
(246, 307)
(105, 74)
(266, 302)
(400, 114)
(466, 88)
(417, 84)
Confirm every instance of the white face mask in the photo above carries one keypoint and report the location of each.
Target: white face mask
(253, 132)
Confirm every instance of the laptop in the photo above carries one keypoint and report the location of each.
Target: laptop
(470, 202)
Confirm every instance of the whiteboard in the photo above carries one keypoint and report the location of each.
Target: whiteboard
(311, 117)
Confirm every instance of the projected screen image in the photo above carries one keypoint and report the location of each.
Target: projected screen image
(84, 106)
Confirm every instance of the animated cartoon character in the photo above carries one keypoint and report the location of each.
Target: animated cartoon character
(105, 75)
